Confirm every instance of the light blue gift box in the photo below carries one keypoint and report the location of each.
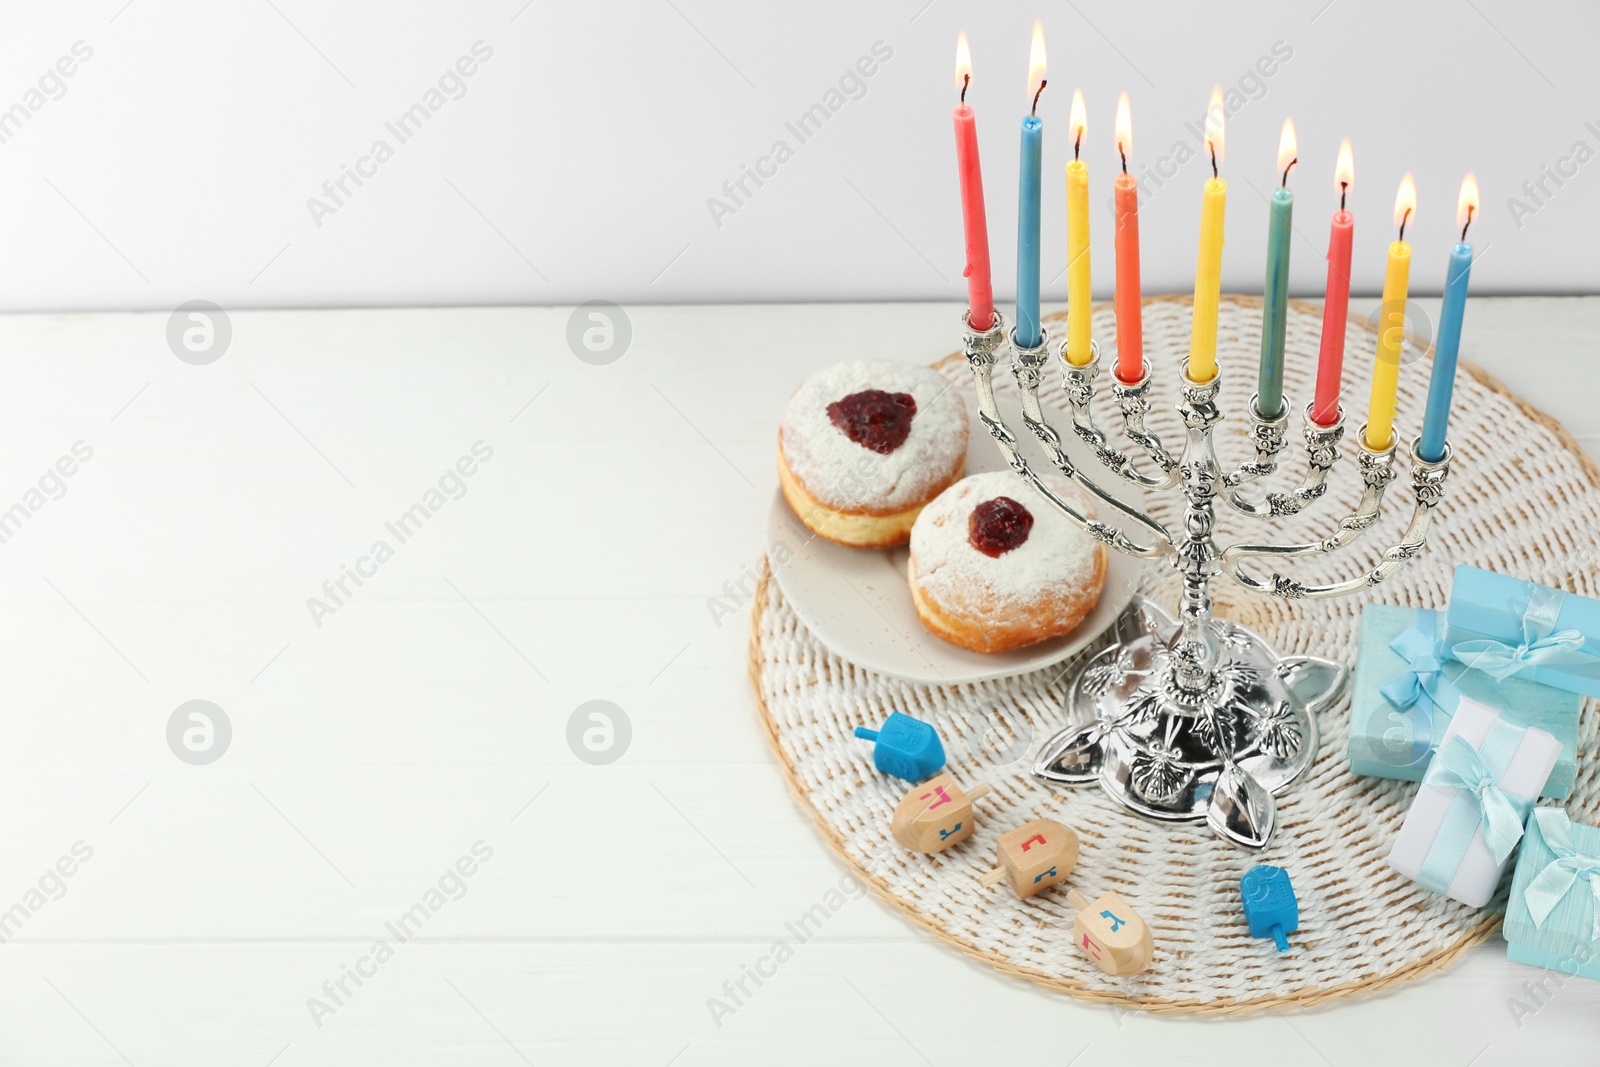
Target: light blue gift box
(1553, 916)
(1509, 627)
(1405, 688)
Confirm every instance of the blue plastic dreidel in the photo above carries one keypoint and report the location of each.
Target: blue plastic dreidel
(1269, 904)
(905, 747)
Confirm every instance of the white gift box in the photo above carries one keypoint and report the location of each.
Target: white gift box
(1442, 843)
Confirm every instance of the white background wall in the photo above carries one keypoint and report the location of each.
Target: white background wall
(578, 165)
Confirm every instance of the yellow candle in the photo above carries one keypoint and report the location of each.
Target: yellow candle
(1392, 325)
(1079, 295)
(1208, 265)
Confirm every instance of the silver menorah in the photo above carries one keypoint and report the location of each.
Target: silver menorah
(1195, 717)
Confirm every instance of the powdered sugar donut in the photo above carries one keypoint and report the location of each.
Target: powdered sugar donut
(994, 568)
(863, 446)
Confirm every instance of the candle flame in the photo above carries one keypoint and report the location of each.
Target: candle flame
(1214, 117)
(1078, 119)
(963, 61)
(1344, 172)
(1288, 148)
(1405, 202)
(1467, 205)
(1124, 126)
(1036, 63)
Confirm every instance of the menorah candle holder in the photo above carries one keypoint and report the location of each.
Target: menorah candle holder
(1194, 717)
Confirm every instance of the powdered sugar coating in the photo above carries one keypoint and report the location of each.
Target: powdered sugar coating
(848, 476)
(1056, 561)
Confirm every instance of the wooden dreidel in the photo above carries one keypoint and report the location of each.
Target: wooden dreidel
(1034, 857)
(1269, 904)
(1112, 934)
(905, 747)
(935, 815)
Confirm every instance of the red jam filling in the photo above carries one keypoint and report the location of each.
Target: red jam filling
(875, 419)
(999, 525)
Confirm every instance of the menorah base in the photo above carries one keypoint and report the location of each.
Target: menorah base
(1219, 754)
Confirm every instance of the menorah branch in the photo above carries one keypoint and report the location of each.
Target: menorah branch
(1078, 382)
(1267, 435)
(1322, 452)
(1427, 487)
(980, 349)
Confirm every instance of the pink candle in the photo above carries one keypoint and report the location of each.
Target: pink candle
(1130, 323)
(1336, 299)
(980, 293)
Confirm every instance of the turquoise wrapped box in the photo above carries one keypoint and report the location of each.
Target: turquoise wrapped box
(1553, 916)
(1512, 628)
(1405, 688)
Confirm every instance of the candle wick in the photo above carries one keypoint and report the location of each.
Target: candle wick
(1344, 187)
(1123, 153)
(1470, 208)
(1211, 145)
(966, 80)
(1037, 95)
(1403, 220)
(1290, 167)
(1076, 142)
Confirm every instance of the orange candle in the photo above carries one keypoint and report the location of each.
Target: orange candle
(1129, 306)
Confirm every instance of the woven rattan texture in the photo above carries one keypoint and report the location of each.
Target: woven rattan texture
(1522, 499)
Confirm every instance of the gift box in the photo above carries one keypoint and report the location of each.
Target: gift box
(1468, 813)
(1508, 627)
(1405, 688)
(1553, 916)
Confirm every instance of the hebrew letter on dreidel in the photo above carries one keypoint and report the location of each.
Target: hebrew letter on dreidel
(1034, 857)
(1112, 934)
(933, 827)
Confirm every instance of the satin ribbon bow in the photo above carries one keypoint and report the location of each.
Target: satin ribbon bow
(1419, 685)
(1561, 873)
(1541, 642)
(1458, 764)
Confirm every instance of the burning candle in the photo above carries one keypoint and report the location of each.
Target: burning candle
(1079, 295)
(1443, 382)
(980, 291)
(1208, 266)
(1336, 298)
(1028, 200)
(1275, 290)
(1130, 312)
(1392, 324)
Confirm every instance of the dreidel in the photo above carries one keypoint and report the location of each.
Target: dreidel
(905, 747)
(1034, 857)
(935, 815)
(1269, 904)
(1111, 934)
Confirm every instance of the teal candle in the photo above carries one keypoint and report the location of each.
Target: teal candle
(1028, 233)
(1275, 303)
(1440, 387)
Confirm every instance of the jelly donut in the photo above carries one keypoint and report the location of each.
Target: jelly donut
(993, 567)
(863, 446)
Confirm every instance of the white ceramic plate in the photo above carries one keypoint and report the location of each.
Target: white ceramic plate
(858, 603)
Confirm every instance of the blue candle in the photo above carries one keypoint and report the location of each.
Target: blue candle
(1028, 234)
(1442, 384)
(1028, 199)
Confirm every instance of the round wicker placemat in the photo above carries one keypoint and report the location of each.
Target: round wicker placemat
(1522, 499)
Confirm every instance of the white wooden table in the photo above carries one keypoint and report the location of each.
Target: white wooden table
(428, 712)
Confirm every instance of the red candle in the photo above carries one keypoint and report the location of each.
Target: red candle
(1336, 299)
(1130, 312)
(980, 293)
